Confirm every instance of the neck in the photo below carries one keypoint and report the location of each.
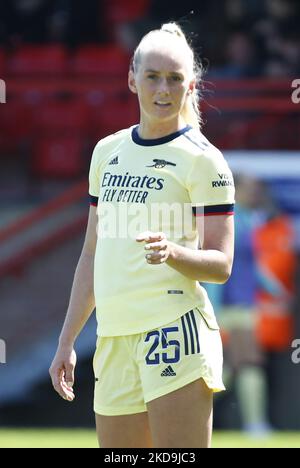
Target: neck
(152, 130)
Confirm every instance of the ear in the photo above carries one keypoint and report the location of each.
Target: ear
(131, 82)
(192, 86)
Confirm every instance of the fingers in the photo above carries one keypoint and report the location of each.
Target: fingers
(143, 236)
(156, 252)
(156, 259)
(149, 236)
(60, 385)
(156, 246)
(67, 387)
(69, 376)
(157, 256)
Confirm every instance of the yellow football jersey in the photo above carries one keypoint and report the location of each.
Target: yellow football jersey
(152, 185)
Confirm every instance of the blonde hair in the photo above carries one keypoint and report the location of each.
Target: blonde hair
(190, 112)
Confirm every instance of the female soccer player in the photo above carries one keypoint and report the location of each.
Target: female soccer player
(159, 355)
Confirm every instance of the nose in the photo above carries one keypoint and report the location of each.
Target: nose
(163, 87)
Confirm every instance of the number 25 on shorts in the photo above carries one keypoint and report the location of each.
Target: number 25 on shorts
(172, 354)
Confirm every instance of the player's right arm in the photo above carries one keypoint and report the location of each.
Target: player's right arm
(81, 306)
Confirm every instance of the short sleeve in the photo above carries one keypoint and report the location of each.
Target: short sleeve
(210, 184)
(94, 184)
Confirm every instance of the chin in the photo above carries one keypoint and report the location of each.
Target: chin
(164, 115)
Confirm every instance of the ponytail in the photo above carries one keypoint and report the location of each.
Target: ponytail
(191, 111)
(173, 28)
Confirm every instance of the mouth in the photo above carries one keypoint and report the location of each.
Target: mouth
(162, 104)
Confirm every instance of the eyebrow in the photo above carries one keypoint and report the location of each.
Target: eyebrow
(151, 71)
(156, 71)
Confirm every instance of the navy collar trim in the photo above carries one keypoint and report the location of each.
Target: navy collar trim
(157, 141)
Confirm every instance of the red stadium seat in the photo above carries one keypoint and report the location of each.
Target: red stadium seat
(98, 91)
(37, 59)
(67, 117)
(2, 63)
(113, 116)
(119, 11)
(58, 157)
(36, 91)
(16, 126)
(104, 61)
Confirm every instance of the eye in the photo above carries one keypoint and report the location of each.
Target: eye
(152, 77)
(176, 78)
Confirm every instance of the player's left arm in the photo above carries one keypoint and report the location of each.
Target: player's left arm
(211, 264)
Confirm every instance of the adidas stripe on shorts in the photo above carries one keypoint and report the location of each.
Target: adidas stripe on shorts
(132, 370)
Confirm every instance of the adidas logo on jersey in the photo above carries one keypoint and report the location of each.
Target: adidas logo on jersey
(114, 161)
(168, 372)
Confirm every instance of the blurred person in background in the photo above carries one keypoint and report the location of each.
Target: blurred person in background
(275, 252)
(279, 17)
(25, 21)
(241, 14)
(278, 33)
(275, 66)
(130, 33)
(243, 355)
(241, 58)
(85, 24)
(255, 306)
(45, 21)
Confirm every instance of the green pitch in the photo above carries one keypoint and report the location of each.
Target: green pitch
(73, 438)
(47, 438)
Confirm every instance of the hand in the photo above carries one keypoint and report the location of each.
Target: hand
(157, 246)
(62, 372)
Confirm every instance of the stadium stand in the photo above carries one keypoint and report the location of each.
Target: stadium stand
(16, 128)
(112, 116)
(2, 61)
(62, 117)
(58, 157)
(104, 61)
(35, 60)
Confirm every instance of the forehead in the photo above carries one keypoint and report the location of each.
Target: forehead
(165, 59)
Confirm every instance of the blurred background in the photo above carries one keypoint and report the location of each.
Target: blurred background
(65, 66)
